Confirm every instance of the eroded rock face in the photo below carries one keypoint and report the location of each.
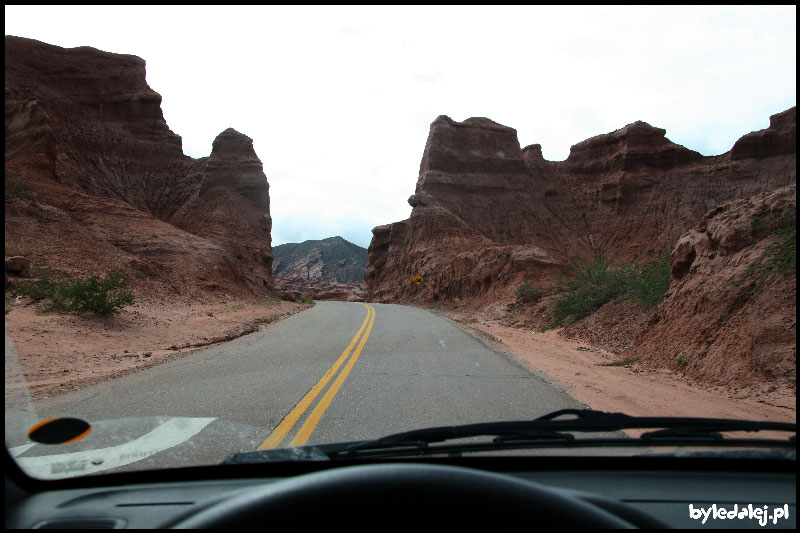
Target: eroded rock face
(779, 139)
(21, 266)
(717, 323)
(231, 205)
(639, 192)
(91, 119)
(475, 220)
(488, 215)
(292, 289)
(86, 132)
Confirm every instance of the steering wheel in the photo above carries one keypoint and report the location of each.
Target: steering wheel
(400, 495)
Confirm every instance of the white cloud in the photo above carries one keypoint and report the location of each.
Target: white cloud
(338, 100)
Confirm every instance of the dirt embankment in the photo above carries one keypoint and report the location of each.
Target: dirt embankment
(588, 374)
(60, 353)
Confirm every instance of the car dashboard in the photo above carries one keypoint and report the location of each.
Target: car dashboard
(641, 492)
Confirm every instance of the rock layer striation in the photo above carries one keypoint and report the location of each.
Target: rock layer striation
(86, 134)
(488, 215)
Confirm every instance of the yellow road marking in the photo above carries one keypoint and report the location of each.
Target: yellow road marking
(305, 431)
(286, 425)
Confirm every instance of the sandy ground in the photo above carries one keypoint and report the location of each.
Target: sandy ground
(59, 353)
(579, 370)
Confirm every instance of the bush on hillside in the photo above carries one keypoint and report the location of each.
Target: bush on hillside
(650, 282)
(104, 296)
(595, 283)
(780, 256)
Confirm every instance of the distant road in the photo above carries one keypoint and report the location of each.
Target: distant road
(339, 371)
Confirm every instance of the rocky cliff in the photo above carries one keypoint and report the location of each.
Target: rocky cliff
(488, 215)
(108, 186)
(334, 260)
(730, 313)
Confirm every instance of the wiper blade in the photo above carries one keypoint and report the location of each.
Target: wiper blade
(590, 420)
(552, 429)
(502, 431)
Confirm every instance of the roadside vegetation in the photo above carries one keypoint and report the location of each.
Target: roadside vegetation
(95, 294)
(595, 283)
(681, 360)
(780, 256)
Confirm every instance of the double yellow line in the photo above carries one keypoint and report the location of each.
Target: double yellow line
(311, 422)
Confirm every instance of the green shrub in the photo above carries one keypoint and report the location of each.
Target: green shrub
(105, 296)
(595, 283)
(40, 286)
(780, 256)
(306, 300)
(650, 282)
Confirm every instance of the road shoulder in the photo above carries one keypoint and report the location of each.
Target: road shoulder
(582, 371)
(59, 353)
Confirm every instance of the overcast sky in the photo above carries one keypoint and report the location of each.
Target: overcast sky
(339, 100)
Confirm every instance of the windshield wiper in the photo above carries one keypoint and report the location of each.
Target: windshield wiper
(552, 429)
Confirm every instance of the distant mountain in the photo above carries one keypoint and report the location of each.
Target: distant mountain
(333, 260)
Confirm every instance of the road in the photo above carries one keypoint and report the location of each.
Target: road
(339, 371)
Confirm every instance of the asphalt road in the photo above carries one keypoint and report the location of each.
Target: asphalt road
(339, 371)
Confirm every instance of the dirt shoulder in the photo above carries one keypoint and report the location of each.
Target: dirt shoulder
(59, 353)
(577, 368)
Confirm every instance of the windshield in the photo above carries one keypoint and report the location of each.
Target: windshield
(238, 229)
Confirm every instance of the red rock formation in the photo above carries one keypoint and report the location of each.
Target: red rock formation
(231, 206)
(292, 289)
(715, 324)
(487, 215)
(96, 123)
(639, 191)
(473, 220)
(86, 134)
